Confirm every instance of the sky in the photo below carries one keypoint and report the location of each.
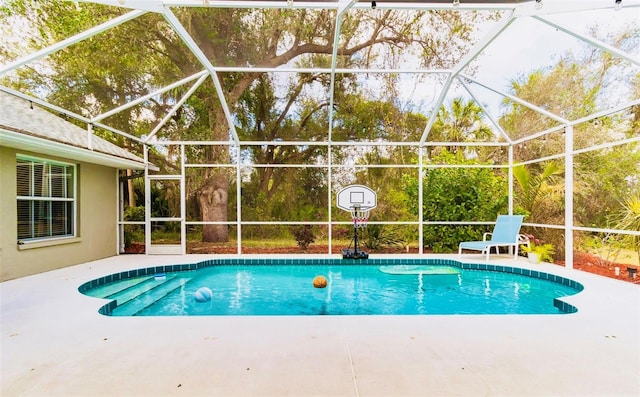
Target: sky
(529, 44)
(532, 44)
(525, 46)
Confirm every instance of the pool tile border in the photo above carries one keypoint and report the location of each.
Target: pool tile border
(151, 271)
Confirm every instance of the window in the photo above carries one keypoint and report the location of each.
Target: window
(45, 198)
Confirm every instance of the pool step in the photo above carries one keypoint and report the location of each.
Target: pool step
(138, 303)
(107, 291)
(144, 310)
(136, 290)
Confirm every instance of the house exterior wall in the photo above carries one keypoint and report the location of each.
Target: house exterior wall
(96, 221)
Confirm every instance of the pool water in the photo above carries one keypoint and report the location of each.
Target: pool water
(352, 289)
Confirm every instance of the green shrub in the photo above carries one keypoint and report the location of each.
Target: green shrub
(445, 238)
(544, 251)
(458, 194)
(134, 213)
(303, 235)
(133, 234)
(375, 237)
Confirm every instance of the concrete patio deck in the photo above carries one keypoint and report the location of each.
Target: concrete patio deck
(54, 343)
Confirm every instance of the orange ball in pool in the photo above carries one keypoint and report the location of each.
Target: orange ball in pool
(320, 282)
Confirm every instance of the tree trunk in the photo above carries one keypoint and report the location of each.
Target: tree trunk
(213, 200)
(131, 190)
(214, 191)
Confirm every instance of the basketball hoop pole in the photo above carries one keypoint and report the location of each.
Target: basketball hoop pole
(356, 254)
(360, 219)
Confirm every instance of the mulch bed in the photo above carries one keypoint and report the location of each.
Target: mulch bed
(581, 261)
(594, 264)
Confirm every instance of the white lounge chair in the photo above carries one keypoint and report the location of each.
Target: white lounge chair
(505, 234)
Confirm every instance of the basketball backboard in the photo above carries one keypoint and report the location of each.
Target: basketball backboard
(356, 195)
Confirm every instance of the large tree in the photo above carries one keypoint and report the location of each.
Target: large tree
(141, 55)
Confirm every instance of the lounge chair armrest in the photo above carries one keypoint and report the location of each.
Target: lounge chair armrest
(487, 234)
(523, 240)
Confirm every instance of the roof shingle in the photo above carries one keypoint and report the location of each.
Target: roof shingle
(19, 115)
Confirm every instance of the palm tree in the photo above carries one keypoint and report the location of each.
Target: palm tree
(462, 122)
(534, 188)
(630, 220)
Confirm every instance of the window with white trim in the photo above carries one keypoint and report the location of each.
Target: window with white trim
(46, 199)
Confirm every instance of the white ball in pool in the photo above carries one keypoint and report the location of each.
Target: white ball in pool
(203, 294)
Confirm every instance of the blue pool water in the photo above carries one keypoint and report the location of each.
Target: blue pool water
(354, 288)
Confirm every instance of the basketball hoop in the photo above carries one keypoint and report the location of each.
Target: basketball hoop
(360, 216)
(359, 200)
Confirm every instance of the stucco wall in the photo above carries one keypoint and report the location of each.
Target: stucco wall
(97, 208)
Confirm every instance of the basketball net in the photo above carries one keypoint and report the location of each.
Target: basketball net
(360, 216)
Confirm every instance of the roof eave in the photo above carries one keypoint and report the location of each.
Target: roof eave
(20, 141)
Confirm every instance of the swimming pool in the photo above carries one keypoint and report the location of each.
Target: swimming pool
(372, 287)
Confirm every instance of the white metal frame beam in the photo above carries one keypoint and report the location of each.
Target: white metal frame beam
(175, 108)
(333, 4)
(457, 69)
(71, 40)
(522, 102)
(45, 104)
(596, 43)
(149, 96)
(494, 122)
(568, 196)
(343, 6)
(170, 17)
